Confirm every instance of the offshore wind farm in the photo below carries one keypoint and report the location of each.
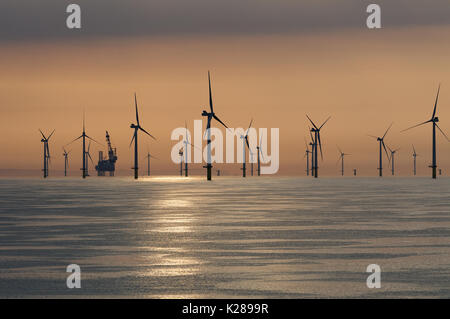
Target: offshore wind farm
(282, 152)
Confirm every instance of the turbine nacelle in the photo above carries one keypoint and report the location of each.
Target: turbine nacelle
(134, 126)
(204, 113)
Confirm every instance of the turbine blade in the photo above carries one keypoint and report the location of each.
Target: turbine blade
(416, 125)
(137, 114)
(246, 141)
(217, 119)
(147, 133)
(74, 140)
(312, 138)
(132, 139)
(89, 155)
(210, 94)
(246, 133)
(414, 150)
(436, 102)
(442, 132)
(51, 134)
(372, 136)
(387, 130)
(42, 134)
(194, 146)
(387, 154)
(320, 145)
(325, 122)
(94, 140)
(311, 122)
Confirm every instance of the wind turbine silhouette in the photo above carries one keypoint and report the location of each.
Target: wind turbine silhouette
(382, 145)
(307, 157)
(66, 160)
(148, 156)
(46, 152)
(316, 131)
(341, 158)
(211, 115)
(245, 139)
(434, 119)
(260, 154)
(415, 159)
(136, 128)
(84, 136)
(392, 159)
(88, 155)
(186, 151)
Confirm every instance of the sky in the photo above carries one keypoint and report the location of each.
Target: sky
(273, 61)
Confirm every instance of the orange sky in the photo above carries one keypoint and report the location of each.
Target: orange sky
(364, 79)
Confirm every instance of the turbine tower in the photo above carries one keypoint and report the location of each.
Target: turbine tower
(244, 142)
(136, 128)
(46, 152)
(317, 141)
(341, 158)
(312, 151)
(393, 159)
(84, 136)
(415, 160)
(434, 119)
(258, 149)
(211, 115)
(382, 145)
(66, 161)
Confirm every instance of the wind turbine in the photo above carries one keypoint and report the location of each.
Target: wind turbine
(316, 131)
(211, 115)
(84, 136)
(88, 155)
(66, 161)
(46, 152)
(393, 158)
(148, 156)
(307, 151)
(341, 158)
(434, 119)
(382, 145)
(415, 160)
(136, 128)
(186, 151)
(244, 142)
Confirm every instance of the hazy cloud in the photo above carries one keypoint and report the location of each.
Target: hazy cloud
(45, 19)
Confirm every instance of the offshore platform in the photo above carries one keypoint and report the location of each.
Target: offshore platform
(109, 164)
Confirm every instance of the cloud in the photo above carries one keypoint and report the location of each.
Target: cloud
(45, 19)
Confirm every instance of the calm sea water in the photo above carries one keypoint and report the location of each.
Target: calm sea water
(229, 238)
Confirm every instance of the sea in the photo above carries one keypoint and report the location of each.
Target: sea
(258, 237)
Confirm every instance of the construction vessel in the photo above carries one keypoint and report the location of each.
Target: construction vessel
(109, 164)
